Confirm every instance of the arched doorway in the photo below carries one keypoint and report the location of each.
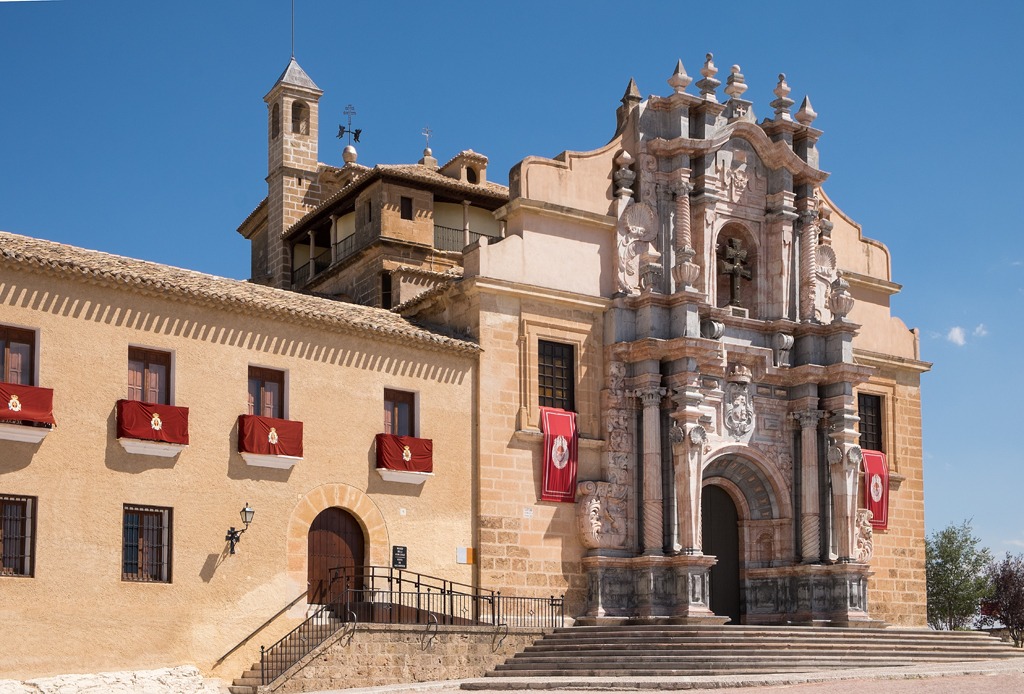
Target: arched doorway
(335, 540)
(720, 537)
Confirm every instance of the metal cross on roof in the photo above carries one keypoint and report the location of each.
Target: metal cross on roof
(427, 132)
(353, 135)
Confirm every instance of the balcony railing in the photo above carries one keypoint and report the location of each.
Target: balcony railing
(452, 239)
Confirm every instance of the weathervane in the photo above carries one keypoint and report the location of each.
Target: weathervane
(353, 135)
(427, 132)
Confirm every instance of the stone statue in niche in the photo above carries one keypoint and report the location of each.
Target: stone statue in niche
(600, 515)
(864, 540)
(637, 231)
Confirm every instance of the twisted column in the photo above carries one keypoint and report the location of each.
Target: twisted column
(810, 518)
(684, 271)
(654, 538)
(808, 264)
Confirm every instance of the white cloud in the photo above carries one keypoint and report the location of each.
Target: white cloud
(956, 336)
(980, 330)
(1015, 543)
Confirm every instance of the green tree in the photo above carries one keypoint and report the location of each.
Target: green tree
(957, 580)
(1007, 602)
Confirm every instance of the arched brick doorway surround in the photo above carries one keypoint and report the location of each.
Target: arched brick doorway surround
(342, 496)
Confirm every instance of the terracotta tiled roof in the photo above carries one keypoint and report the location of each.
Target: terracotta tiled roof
(26, 253)
(411, 172)
(263, 203)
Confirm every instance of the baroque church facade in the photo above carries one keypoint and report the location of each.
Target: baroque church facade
(746, 411)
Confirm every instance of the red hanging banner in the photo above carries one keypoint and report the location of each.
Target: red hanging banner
(151, 422)
(405, 453)
(876, 488)
(269, 436)
(20, 403)
(560, 455)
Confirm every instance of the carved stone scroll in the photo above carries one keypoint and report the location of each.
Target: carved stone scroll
(637, 230)
(601, 515)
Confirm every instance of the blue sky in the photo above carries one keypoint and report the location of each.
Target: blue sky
(139, 128)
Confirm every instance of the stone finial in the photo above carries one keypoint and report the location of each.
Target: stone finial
(736, 84)
(709, 84)
(806, 114)
(782, 103)
(840, 301)
(632, 94)
(428, 159)
(679, 80)
(623, 175)
(349, 154)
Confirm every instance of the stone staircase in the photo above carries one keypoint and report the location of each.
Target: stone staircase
(680, 651)
(290, 651)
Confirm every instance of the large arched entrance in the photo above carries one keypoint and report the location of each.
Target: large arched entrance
(720, 537)
(335, 540)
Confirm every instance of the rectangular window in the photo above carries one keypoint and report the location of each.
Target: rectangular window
(556, 375)
(17, 351)
(406, 205)
(385, 290)
(399, 413)
(869, 409)
(146, 544)
(266, 392)
(369, 211)
(149, 376)
(17, 535)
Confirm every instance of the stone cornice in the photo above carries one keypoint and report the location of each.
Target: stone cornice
(490, 285)
(872, 283)
(775, 155)
(879, 360)
(548, 209)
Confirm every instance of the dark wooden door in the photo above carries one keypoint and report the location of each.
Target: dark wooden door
(720, 537)
(335, 540)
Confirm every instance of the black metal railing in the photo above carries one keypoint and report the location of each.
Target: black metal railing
(451, 239)
(383, 595)
(300, 275)
(321, 262)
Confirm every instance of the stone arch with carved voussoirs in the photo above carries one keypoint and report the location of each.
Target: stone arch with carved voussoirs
(758, 490)
(341, 496)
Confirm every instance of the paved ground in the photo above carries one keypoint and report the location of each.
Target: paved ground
(989, 677)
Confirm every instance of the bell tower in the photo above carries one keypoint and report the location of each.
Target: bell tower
(293, 186)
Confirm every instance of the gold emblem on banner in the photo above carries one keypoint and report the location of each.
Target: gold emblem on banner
(406, 454)
(156, 422)
(272, 436)
(14, 405)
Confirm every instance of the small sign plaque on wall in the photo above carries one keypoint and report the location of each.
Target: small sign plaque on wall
(399, 557)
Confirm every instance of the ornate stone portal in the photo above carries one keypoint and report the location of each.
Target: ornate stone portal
(760, 407)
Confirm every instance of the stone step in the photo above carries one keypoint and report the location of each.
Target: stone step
(640, 631)
(725, 661)
(241, 689)
(609, 647)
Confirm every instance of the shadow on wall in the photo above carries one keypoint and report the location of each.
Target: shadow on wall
(235, 330)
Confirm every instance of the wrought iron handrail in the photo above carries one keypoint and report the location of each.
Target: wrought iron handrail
(260, 628)
(383, 595)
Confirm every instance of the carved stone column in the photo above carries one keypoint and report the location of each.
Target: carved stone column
(844, 457)
(650, 397)
(810, 518)
(688, 454)
(808, 264)
(685, 271)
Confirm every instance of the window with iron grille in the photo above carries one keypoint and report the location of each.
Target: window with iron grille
(17, 350)
(149, 375)
(17, 535)
(869, 409)
(146, 554)
(399, 413)
(556, 375)
(266, 392)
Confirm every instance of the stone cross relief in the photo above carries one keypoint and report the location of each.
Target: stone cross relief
(732, 260)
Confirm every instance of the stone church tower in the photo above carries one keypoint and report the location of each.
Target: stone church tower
(292, 180)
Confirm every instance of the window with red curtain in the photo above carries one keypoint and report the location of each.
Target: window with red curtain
(17, 348)
(266, 392)
(399, 413)
(149, 376)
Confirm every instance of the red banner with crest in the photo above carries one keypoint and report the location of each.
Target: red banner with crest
(876, 488)
(20, 403)
(405, 453)
(151, 422)
(269, 436)
(560, 455)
